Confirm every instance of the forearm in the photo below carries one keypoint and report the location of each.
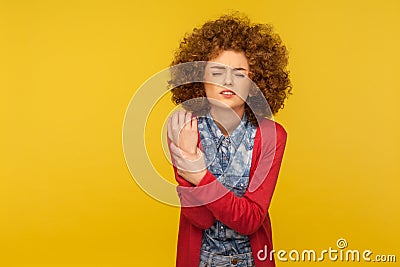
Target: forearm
(200, 216)
(243, 214)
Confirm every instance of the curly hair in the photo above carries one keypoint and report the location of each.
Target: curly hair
(266, 55)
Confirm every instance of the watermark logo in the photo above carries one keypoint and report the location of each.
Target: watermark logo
(341, 253)
(341, 243)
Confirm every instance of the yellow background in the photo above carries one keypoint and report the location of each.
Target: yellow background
(68, 70)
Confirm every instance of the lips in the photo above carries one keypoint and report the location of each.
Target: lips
(227, 92)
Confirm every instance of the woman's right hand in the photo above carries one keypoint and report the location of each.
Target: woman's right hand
(182, 130)
(185, 155)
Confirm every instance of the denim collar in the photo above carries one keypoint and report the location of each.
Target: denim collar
(236, 136)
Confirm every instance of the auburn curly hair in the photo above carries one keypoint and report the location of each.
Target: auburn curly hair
(266, 55)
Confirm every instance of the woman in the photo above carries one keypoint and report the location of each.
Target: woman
(225, 148)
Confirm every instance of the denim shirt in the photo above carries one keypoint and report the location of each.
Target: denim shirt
(229, 160)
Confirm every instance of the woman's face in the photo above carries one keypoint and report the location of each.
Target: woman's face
(226, 80)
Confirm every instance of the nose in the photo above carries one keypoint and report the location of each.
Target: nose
(228, 77)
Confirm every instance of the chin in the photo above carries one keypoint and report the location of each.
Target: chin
(227, 106)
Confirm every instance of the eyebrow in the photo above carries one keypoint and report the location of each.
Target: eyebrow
(222, 68)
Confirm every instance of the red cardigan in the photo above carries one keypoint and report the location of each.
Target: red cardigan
(248, 215)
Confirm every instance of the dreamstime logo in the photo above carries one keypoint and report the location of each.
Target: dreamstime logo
(341, 243)
(146, 99)
(340, 254)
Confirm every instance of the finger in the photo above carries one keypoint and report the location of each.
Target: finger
(174, 121)
(194, 123)
(188, 120)
(169, 128)
(181, 119)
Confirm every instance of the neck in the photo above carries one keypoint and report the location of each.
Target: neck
(226, 119)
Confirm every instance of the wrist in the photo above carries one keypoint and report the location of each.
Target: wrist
(193, 155)
(199, 176)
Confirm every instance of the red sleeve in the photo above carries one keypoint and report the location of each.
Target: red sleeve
(247, 213)
(199, 216)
